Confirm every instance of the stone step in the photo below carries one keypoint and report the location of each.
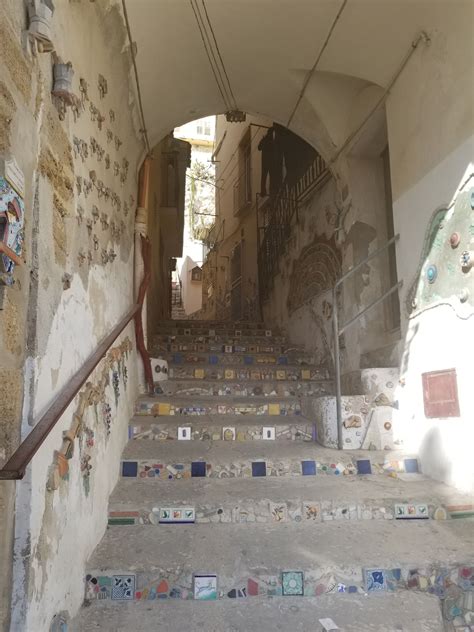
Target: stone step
(295, 500)
(409, 611)
(224, 427)
(187, 406)
(179, 561)
(290, 360)
(159, 461)
(282, 387)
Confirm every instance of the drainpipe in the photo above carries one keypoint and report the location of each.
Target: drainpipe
(141, 222)
(142, 267)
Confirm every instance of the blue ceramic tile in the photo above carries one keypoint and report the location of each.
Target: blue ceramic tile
(375, 580)
(259, 468)
(248, 359)
(198, 468)
(130, 468)
(364, 466)
(352, 589)
(411, 465)
(282, 360)
(308, 468)
(178, 358)
(213, 359)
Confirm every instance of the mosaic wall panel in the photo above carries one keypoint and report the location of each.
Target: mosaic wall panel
(444, 274)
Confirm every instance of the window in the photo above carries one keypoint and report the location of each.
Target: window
(199, 129)
(207, 128)
(243, 184)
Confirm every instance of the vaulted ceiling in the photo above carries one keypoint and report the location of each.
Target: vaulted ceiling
(268, 47)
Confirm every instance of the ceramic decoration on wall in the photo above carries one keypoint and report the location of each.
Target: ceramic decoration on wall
(159, 369)
(205, 587)
(12, 213)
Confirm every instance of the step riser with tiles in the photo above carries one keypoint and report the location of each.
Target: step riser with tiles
(184, 408)
(274, 512)
(224, 431)
(435, 579)
(163, 470)
(256, 374)
(246, 388)
(229, 348)
(258, 361)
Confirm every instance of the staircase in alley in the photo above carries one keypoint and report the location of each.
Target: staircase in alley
(226, 497)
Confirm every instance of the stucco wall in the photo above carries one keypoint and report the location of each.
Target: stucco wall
(53, 322)
(191, 290)
(430, 126)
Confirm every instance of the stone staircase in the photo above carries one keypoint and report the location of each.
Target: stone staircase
(225, 496)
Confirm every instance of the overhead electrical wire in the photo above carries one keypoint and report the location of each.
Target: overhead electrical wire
(214, 56)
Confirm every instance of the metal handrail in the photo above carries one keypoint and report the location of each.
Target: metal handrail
(338, 331)
(15, 467)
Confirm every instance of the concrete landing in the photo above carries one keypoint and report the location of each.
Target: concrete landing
(409, 612)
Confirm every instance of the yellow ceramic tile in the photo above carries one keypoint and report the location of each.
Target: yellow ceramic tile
(199, 374)
(273, 409)
(305, 374)
(229, 374)
(164, 409)
(281, 375)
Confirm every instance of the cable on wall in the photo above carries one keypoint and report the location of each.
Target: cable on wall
(422, 37)
(135, 70)
(318, 58)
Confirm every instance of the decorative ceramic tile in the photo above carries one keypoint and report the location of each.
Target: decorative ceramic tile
(130, 469)
(292, 583)
(268, 433)
(228, 348)
(411, 466)
(228, 433)
(404, 511)
(184, 433)
(229, 374)
(123, 587)
(205, 587)
(163, 408)
(281, 375)
(374, 579)
(198, 469)
(268, 333)
(308, 468)
(274, 409)
(177, 515)
(213, 359)
(364, 466)
(305, 374)
(259, 468)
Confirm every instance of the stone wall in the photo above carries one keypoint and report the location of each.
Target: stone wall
(79, 152)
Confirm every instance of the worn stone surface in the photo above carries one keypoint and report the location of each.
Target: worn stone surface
(352, 613)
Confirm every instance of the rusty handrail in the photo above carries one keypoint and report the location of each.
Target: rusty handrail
(15, 467)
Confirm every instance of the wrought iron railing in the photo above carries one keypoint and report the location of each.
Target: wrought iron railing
(275, 217)
(338, 330)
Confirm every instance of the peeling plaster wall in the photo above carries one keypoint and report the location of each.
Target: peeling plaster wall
(51, 324)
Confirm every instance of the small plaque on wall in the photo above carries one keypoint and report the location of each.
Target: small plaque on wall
(440, 393)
